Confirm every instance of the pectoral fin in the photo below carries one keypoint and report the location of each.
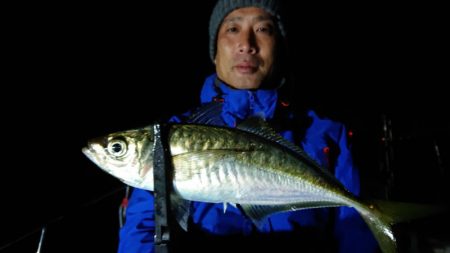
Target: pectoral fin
(181, 209)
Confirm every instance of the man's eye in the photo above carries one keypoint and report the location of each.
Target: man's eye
(264, 30)
(232, 29)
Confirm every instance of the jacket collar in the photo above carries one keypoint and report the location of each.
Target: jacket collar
(239, 104)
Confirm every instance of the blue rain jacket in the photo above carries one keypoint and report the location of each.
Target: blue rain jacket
(321, 138)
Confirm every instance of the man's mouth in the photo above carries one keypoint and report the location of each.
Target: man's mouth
(246, 68)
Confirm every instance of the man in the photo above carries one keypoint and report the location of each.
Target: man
(247, 45)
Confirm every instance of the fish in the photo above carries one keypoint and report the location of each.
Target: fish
(251, 166)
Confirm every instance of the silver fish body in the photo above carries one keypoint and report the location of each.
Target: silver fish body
(251, 166)
(214, 164)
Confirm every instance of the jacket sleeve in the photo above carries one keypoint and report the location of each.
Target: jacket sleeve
(351, 232)
(137, 234)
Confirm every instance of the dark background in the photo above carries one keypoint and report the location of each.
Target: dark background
(77, 71)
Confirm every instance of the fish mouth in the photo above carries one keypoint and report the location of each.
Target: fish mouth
(87, 151)
(91, 154)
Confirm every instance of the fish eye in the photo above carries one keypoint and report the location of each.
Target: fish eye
(117, 147)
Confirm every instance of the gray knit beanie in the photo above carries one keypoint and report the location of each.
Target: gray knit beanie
(224, 7)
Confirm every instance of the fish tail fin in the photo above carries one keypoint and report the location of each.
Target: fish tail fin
(381, 215)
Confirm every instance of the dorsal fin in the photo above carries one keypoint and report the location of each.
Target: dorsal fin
(209, 114)
(257, 125)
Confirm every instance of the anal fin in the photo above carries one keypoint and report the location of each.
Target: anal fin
(257, 213)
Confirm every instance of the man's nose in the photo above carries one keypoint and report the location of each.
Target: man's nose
(247, 43)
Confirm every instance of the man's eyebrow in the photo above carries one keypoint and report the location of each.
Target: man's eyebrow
(263, 18)
(240, 18)
(232, 19)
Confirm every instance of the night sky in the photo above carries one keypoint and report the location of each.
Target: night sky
(74, 72)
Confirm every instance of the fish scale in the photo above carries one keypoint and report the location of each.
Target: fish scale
(257, 174)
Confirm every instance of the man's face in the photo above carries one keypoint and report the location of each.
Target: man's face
(246, 45)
